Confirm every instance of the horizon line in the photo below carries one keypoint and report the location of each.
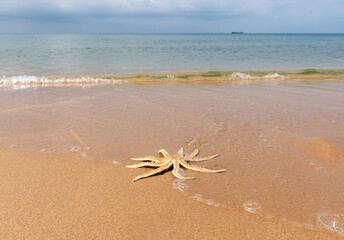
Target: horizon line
(171, 32)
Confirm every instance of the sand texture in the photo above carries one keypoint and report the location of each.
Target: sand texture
(63, 151)
(64, 196)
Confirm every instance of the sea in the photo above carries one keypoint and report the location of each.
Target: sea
(102, 54)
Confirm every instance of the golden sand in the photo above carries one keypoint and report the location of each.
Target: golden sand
(282, 146)
(64, 196)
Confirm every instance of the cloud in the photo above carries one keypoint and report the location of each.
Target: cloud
(203, 15)
(44, 9)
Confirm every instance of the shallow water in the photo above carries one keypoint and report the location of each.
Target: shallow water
(282, 144)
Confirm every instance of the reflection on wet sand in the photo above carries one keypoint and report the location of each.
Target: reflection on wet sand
(282, 144)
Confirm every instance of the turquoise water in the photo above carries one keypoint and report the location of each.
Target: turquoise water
(93, 54)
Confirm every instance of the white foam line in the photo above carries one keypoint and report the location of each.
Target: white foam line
(239, 75)
(43, 81)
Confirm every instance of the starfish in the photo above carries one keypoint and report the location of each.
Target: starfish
(166, 161)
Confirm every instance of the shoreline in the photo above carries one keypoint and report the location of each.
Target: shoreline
(235, 76)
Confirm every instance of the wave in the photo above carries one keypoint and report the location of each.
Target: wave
(271, 76)
(239, 75)
(55, 81)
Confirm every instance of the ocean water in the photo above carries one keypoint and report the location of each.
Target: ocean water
(101, 54)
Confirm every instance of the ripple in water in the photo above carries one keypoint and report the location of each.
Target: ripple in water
(116, 162)
(75, 149)
(332, 221)
(210, 202)
(182, 172)
(198, 197)
(180, 185)
(251, 206)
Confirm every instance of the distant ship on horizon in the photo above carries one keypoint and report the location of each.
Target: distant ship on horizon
(237, 32)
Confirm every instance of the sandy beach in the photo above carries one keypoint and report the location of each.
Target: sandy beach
(147, 119)
(63, 152)
(64, 196)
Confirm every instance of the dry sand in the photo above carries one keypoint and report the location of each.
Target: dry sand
(65, 196)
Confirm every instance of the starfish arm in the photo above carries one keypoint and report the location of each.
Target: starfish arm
(180, 152)
(175, 172)
(153, 159)
(194, 153)
(164, 153)
(144, 164)
(203, 159)
(199, 169)
(163, 167)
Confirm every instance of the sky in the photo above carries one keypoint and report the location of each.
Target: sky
(171, 16)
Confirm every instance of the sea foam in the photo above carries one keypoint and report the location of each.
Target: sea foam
(60, 81)
(245, 76)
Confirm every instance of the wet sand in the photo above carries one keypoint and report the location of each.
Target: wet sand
(63, 151)
(64, 196)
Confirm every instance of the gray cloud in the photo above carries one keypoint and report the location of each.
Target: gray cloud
(266, 15)
(144, 8)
